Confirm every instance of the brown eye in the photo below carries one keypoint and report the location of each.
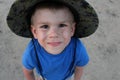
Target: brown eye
(44, 26)
(62, 25)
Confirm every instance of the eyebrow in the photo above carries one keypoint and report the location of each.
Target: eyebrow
(47, 22)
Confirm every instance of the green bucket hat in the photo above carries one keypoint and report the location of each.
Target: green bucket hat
(87, 19)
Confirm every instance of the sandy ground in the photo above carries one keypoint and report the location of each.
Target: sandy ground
(103, 46)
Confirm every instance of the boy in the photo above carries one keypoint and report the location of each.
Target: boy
(55, 26)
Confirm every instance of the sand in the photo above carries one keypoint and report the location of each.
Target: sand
(103, 46)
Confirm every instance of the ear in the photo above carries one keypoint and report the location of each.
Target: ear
(73, 28)
(34, 31)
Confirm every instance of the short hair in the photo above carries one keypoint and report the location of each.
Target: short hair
(52, 5)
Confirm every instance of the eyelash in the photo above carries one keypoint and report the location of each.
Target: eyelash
(46, 26)
(62, 25)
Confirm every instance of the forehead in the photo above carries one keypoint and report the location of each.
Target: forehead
(64, 11)
(52, 14)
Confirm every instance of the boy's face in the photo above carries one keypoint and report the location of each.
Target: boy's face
(53, 29)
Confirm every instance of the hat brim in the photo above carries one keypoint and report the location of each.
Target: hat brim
(87, 25)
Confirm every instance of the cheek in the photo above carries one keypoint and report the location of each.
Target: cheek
(67, 37)
(68, 33)
(40, 34)
(41, 37)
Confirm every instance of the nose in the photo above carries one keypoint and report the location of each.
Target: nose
(54, 32)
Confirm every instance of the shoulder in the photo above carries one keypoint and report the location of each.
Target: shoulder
(29, 48)
(29, 51)
(28, 57)
(82, 57)
(78, 43)
(80, 48)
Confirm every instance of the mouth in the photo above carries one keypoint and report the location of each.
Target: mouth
(54, 44)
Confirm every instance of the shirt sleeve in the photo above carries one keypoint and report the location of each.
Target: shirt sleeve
(27, 58)
(82, 57)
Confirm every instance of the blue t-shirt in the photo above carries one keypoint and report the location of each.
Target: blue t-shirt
(55, 67)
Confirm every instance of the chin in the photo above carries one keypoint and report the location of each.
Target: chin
(55, 52)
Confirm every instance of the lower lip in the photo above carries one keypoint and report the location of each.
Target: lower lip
(54, 44)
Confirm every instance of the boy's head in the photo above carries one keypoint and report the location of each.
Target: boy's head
(53, 25)
(19, 17)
